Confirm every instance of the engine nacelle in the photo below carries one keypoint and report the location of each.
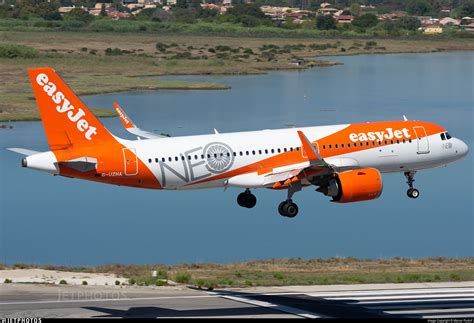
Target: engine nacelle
(354, 186)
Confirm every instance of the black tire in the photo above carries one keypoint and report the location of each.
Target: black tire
(415, 193)
(251, 201)
(281, 207)
(409, 192)
(247, 200)
(291, 210)
(241, 199)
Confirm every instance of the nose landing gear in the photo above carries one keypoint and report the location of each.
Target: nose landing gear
(247, 199)
(412, 192)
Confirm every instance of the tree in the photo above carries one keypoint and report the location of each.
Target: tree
(418, 7)
(80, 15)
(183, 4)
(325, 22)
(103, 12)
(409, 23)
(246, 9)
(366, 20)
(467, 9)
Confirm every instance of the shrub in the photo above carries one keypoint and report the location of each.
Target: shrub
(84, 282)
(183, 278)
(8, 281)
(62, 282)
(13, 51)
(371, 43)
(117, 283)
(132, 281)
(113, 51)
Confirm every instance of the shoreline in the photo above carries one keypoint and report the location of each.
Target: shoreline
(272, 272)
(136, 59)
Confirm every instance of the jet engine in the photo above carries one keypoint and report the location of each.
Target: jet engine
(354, 186)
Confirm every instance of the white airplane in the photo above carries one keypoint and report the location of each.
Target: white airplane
(344, 162)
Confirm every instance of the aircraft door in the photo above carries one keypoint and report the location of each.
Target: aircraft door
(422, 140)
(130, 162)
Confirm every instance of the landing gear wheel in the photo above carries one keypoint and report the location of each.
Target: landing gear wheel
(246, 199)
(288, 209)
(413, 193)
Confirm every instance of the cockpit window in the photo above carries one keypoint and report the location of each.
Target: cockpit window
(443, 137)
(448, 136)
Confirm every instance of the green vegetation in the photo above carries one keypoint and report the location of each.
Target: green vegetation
(17, 51)
(294, 271)
(7, 281)
(62, 282)
(107, 62)
(182, 278)
(84, 282)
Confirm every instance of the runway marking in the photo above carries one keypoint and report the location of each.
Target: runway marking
(397, 297)
(388, 292)
(417, 300)
(390, 307)
(281, 308)
(434, 311)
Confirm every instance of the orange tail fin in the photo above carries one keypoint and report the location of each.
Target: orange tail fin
(66, 119)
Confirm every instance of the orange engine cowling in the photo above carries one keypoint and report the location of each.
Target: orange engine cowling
(356, 185)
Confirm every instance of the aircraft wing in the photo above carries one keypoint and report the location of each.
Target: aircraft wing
(280, 177)
(132, 128)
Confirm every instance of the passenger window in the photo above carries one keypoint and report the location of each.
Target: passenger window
(176, 158)
(398, 141)
(291, 148)
(330, 146)
(273, 151)
(361, 144)
(169, 159)
(335, 146)
(163, 159)
(266, 151)
(189, 157)
(240, 153)
(386, 142)
(279, 150)
(404, 141)
(215, 155)
(259, 152)
(348, 145)
(284, 149)
(342, 145)
(195, 156)
(247, 152)
(149, 160)
(409, 140)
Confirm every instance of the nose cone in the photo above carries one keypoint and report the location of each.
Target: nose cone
(461, 148)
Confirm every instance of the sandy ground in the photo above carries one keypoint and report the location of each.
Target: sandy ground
(54, 277)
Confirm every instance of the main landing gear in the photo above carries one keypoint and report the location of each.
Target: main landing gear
(412, 192)
(288, 208)
(246, 199)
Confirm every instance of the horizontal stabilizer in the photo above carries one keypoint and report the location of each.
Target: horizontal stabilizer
(82, 164)
(23, 151)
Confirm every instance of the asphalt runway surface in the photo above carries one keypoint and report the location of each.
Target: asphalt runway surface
(420, 300)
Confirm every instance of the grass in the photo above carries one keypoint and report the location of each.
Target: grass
(283, 272)
(107, 62)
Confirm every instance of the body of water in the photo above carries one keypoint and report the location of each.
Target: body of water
(55, 220)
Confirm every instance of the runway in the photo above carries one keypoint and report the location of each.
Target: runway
(420, 300)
